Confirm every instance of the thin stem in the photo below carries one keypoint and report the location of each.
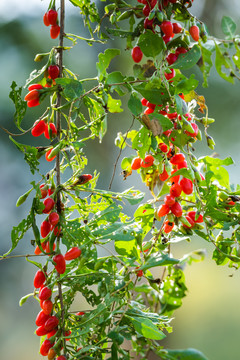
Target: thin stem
(19, 256)
(58, 178)
(120, 151)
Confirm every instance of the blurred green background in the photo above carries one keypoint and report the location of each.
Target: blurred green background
(210, 316)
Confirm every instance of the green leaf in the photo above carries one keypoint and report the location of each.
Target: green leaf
(165, 123)
(221, 61)
(236, 56)
(188, 60)
(20, 105)
(142, 142)
(205, 63)
(146, 327)
(181, 105)
(110, 214)
(76, 3)
(154, 91)
(158, 260)
(30, 154)
(114, 77)
(185, 85)
(104, 61)
(132, 196)
(228, 27)
(114, 105)
(188, 354)
(151, 44)
(72, 89)
(19, 231)
(145, 216)
(24, 299)
(126, 248)
(126, 163)
(23, 198)
(134, 104)
(218, 172)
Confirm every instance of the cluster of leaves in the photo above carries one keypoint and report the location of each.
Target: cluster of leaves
(126, 301)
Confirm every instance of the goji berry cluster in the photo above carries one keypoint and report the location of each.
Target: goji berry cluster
(154, 16)
(37, 92)
(47, 321)
(51, 18)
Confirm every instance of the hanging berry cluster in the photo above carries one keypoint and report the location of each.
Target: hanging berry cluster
(185, 202)
(51, 18)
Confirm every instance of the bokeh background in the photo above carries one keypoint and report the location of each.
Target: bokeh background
(210, 316)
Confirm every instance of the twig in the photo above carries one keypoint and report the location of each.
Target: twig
(18, 256)
(58, 178)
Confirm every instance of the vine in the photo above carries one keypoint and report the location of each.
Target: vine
(189, 196)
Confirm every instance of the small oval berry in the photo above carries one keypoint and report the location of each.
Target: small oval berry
(53, 218)
(148, 161)
(52, 16)
(49, 205)
(41, 318)
(168, 226)
(33, 103)
(39, 279)
(54, 31)
(136, 54)
(45, 293)
(45, 19)
(73, 253)
(53, 71)
(51, 354)
(177, 159)
(175, 190)
(136, 163)
(38, 251)
(45, 228)
(60, 263)
(194, 32)
(167, 28)
(39, 128)
(144, 102)
(187, 186)
(176, 209)
(52, 333)
(32, 95)
(182, 165)
(51, 323)
(163, 210)
(171, 58)
(47, 306)
(46, 345)
(41, 331)
(176, 28)
(35, 87)
(169, 200)
(163, 147)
